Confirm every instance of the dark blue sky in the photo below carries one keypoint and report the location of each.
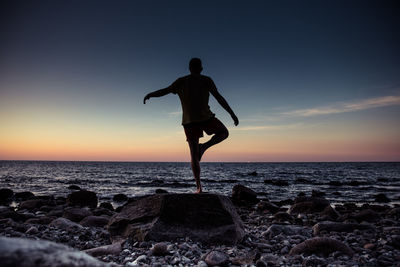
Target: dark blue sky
(266, 57)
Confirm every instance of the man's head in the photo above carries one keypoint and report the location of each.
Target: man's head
(195, 66)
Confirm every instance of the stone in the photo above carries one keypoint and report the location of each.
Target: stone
(216, 258)
(330, 213)
(32, 253)
(381, 197)
(32, 230)
(65, 224)
(159, 249)
(120, 197)
(314, 261)
(161, 191)
(308, 205)
(207, 218)
(5, 195)
(24, 195)
(7, 212)
(270, 259)
(261, 263)
(316, 193)
(369, 246)
(243, 194)
(102, 212)
(107, 205)
(283, 217)
(244, 258)
(321, 246)
(74, 187)
(267, 206)
(82, 198)
(395, 212)
(31, 204)
(44, 220)
(113, 249)
(202, 264)
(340, 227)
(366, 215)
(286, 230)
(94, 221)
(76, 214)
(276, 182)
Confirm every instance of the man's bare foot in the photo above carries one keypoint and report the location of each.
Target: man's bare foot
(202, 149)
(199, 191)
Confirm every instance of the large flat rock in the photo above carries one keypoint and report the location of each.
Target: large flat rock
(207, 218)
(24, 252)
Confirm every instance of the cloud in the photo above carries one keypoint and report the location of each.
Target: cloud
(175, 113)
(265, 127)
(347, 106)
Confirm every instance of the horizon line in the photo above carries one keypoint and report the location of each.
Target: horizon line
(115, 161)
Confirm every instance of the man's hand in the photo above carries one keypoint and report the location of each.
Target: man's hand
(235, 119)
(147, 97)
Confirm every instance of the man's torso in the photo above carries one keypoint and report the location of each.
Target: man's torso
(194, 92)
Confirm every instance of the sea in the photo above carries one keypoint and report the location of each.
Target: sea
(357, 182)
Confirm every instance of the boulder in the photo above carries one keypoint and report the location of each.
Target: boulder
(34, 253)
(308, 205)
(94, 221)
(76, 214)
(340, 227)
(24, 195)
(243, 194)
(381, 197)
(206, 218)
(5, 195)
(120, 197)
(321, 246)
(82, 198)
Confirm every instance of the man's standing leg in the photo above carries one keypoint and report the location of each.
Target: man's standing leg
(195, 162)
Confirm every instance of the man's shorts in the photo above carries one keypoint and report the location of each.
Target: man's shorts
(195, 130)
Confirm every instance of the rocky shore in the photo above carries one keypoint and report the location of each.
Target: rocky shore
(195, 230)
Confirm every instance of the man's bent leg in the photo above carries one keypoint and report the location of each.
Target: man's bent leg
(195, 162)
(215, 139)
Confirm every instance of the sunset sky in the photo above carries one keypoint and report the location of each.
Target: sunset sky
(309, 80)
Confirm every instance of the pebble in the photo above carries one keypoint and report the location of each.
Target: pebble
(159, 249)
(202, 264)
(215, 258)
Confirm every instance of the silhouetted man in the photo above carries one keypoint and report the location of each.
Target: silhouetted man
(194, 91)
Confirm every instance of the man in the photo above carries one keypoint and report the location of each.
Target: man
(194, 91)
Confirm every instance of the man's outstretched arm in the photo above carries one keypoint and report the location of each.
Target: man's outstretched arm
(221, 100)
(158, 93)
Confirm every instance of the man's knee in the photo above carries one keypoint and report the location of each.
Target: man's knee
(225, 133)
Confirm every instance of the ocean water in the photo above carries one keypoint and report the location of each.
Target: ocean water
(342, 182)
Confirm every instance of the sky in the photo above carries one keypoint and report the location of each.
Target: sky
(308, 80)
